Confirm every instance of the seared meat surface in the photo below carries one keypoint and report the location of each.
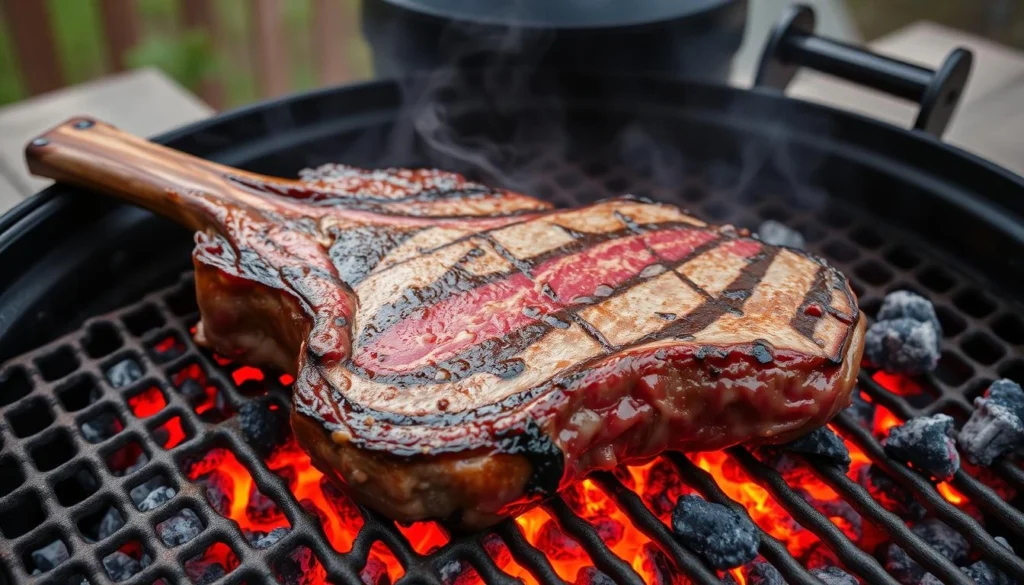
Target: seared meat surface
(461, 351)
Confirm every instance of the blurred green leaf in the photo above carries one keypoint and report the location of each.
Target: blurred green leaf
(189, 58)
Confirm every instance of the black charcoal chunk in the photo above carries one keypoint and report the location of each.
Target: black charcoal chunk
(723, 537)
(762, 573)
(939, 536)
(193, 391)
(262, 427)
(821, 443)
(861, 410)
(376, 573)
(109, 524)
(156, 497)
(890, 493)
(211, 573)
(997, 426)
(293, 566)
(51, 555)
(101, 427)
(924, 443)
(124, 373)
(591, 576)
(903, 346)
(777, 234)
(834, 576)
(261, 540)
(120, 566)
(903, 304)
(834, 508)
(180, 528)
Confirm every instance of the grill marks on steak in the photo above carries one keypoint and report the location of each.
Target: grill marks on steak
(463, 350)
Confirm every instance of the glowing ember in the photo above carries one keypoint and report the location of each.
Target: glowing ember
(231, 490)
(897, 384)
(148, 402)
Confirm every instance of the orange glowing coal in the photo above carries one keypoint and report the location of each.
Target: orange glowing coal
(658, 483)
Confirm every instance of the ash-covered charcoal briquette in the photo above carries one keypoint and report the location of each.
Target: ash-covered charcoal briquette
(109, 524)
(948, 542)
(861, 410)
(762, 573)
(262, 426)
(983, 573)
(903, 346)
(261, 540)
(180, 528)
(924, 443)
(821, 443)
(124, 373)
(120, 566)
(592, 576)
(997, 426)
(834, 576)
(723, 537)
(193, 391)
(51, 555)
(101, 427)
(156, 497)
(903, 304)
(778, 234)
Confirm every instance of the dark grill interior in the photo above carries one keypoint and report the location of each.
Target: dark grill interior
(122, 374)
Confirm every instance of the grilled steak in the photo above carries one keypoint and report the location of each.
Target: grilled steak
(460, 351)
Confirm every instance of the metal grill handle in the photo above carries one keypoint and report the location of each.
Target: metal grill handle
(793, 44)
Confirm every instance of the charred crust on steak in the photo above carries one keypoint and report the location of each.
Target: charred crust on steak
(546, 458)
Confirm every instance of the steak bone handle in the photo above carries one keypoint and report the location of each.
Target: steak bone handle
(192, 191)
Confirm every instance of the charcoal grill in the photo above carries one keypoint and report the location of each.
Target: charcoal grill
(892, 208)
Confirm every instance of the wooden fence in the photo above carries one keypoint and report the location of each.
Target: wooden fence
(330, 27)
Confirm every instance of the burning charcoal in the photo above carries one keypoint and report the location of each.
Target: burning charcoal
(155, 498)
(219, 487)
(497, 550)
(124, 373)
(657, 566)
(120, 566)
(313, 511)
(559, 546)
(263, 427)
(997, 426)
(347, 512)
(762, 573)
(662, 488)
(903, 304)
(139, 492)
(727, 579)
(296, 566)
(834, 576)
(942, 538)
(375, 572)
(193, 391)
(924, 443)
(903, 346)
(725, 538)
(836, 508)
(51, 555)
(820, 556)
(591, 576)
(260, 508)
(111, 523)
(179, 529)
(777, 234)
(983, 573)
(101, 427)
(823, 443)
(861, 410)
(204, 573)
(892, 495)
(261, 540)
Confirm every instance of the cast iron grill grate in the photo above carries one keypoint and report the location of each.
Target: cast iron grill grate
(56, 479)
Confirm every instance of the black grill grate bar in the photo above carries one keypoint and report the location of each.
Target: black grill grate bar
(931, 499)
(688, 562)
(867, 507)
(581, 530)
(853, 557)
(527, 555)
(485, 566)
(771, 549)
